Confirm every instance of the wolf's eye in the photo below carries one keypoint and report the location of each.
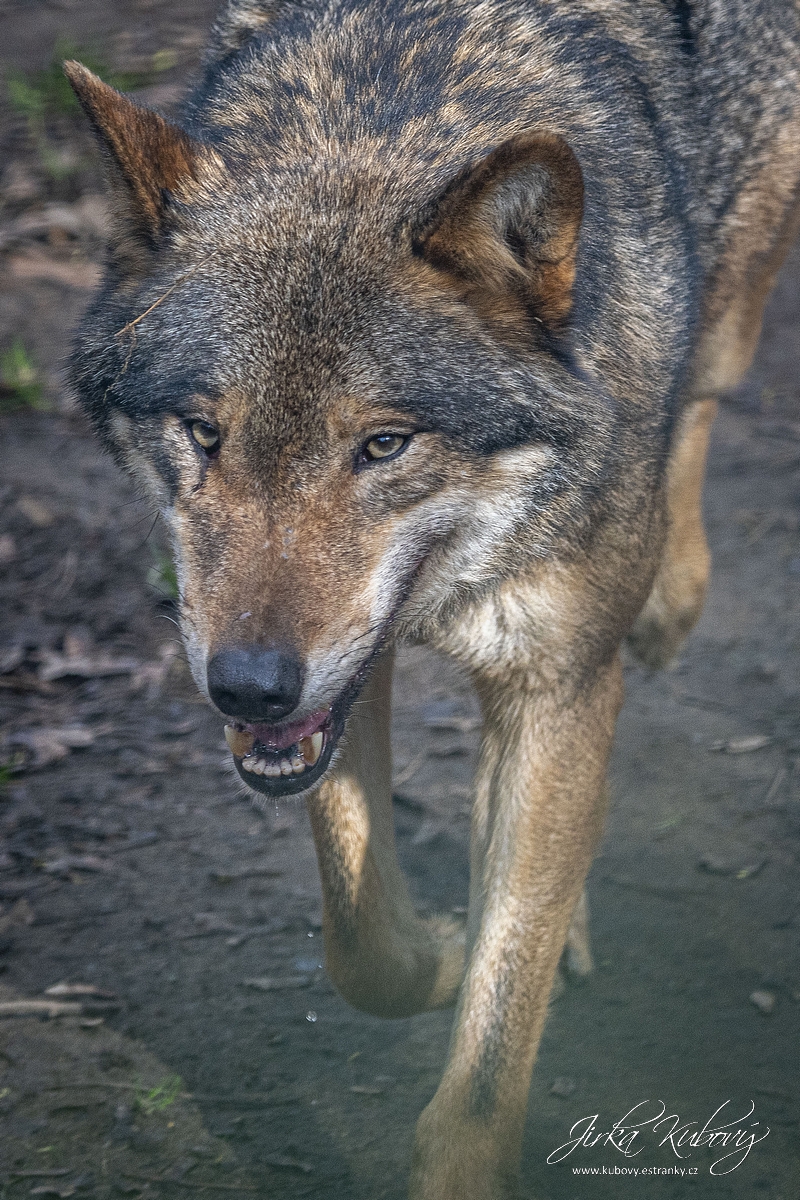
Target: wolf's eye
(205, 435)
(385, 445)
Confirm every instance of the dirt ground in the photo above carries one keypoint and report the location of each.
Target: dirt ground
(207, 1051)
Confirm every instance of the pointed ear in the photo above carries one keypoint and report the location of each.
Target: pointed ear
(150, 157)
(510, 226)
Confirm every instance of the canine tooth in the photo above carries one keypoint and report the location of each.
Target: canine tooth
(311, 747)
(286, 767)
(239, 741)
(298, 765)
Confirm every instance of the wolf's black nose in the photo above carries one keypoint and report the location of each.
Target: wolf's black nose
(255, 684)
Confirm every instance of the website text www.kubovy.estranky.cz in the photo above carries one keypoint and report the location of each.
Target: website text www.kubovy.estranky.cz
(636, 1171)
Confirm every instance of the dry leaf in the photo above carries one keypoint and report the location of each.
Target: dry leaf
(47, 745)
(85, 666)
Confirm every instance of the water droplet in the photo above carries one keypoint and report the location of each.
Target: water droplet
(311, 1016)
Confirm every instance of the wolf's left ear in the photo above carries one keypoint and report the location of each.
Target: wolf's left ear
(150, 158)
(511, 225)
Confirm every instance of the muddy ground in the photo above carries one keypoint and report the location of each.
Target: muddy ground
(130, 863)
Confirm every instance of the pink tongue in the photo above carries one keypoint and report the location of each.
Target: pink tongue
(280, 737)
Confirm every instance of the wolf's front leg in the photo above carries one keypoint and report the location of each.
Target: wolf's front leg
(378, 952)
(538, 814)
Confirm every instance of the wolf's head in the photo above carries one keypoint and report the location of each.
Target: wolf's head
(345, 383)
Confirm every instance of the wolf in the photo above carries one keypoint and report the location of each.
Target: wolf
(414, 326)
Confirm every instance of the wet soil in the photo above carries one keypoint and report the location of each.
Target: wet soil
(130, 862)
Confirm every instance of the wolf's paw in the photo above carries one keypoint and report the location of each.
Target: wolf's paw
(654, 645)
(656, 638)
(675, 601)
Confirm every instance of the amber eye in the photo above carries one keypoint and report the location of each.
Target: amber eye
(385, 445)
(205, 435)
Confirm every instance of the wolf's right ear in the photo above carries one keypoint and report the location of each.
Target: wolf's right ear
(510, 225)
(150, 158)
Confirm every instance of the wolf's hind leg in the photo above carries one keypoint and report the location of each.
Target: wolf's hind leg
(380, 955)
(679, 590)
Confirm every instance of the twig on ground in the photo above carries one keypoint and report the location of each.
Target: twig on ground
(38, 1008)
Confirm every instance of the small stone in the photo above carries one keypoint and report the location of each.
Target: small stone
(746, 745)
(742, 745)
(763, 1001)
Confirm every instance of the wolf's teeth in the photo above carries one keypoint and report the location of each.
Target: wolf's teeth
(248, 764)
(260, 767)
(272, 770)
(239, 740)
(298, 764)
(311, 747)
(286, 767)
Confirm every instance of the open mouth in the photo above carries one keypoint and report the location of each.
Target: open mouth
(279, 760)
(283, 760)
